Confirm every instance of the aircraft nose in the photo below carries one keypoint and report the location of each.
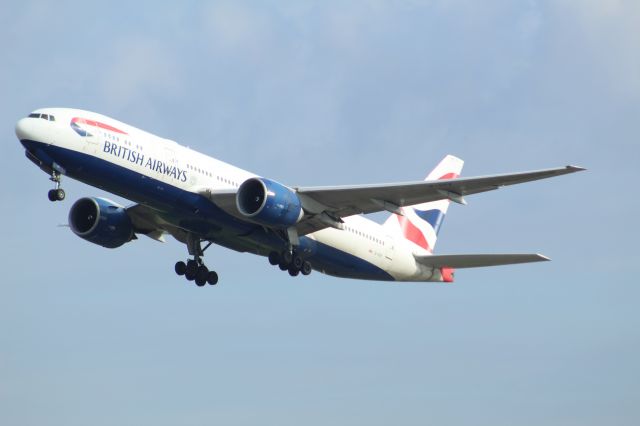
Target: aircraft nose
(23, 129)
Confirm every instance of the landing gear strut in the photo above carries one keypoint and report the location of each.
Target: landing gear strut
(56, 194)
(195, 269)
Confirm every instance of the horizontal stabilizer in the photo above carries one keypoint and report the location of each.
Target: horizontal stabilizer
(477, 260)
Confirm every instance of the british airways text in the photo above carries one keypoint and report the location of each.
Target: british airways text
(151, 163)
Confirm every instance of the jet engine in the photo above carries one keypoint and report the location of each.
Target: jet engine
(269, 203)
(101, 221)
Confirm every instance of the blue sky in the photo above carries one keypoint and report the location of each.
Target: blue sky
(318, 93)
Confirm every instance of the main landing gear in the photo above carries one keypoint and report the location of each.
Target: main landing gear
(195, 269)
(56, 194)
(291, 261)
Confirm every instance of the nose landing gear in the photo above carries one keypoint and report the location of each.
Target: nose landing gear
(56, 194)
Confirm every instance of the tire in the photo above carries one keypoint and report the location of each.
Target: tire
(60, 194)
(51, 195)
(200, 282)
(283, 266)
(293, 271)
(306, 268)
(212, 278)
(287, 256)
(202, 274)
(180, 268)
(297, 262)
(274, 258)
(191, 271)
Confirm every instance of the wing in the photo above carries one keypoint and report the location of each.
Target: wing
(341, 201)
(477, 260)
(325, 206)
(348, 200)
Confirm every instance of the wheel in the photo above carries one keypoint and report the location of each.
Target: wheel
(283, 265)
(52, 195)
(297, 261)
(306, 268)
(287, 256)
(293, 271)
(201, 275)
(181, 268)
(190, 275)
(212, 278)
(59, 194)
(274, 258)
(192, 270)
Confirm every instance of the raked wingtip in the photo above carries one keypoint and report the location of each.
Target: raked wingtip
(575, 168)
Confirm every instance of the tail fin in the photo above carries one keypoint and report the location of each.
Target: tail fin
(421, 223)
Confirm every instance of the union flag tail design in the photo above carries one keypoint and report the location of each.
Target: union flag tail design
(421, 223)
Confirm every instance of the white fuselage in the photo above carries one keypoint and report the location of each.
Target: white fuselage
(121, 146)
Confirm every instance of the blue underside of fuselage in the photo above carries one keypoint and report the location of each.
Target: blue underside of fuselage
(192, 211)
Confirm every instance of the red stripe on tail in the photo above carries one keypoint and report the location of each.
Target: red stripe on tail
(412, 233)
(448, 176)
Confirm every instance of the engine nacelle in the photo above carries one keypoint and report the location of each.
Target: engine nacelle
(269, 203)
(100, 221)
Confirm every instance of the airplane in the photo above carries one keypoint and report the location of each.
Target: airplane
(201, 201)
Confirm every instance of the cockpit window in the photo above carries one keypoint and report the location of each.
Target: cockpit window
(48, 117)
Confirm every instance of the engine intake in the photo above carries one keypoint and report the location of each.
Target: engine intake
(101, 222)
(269, 203)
